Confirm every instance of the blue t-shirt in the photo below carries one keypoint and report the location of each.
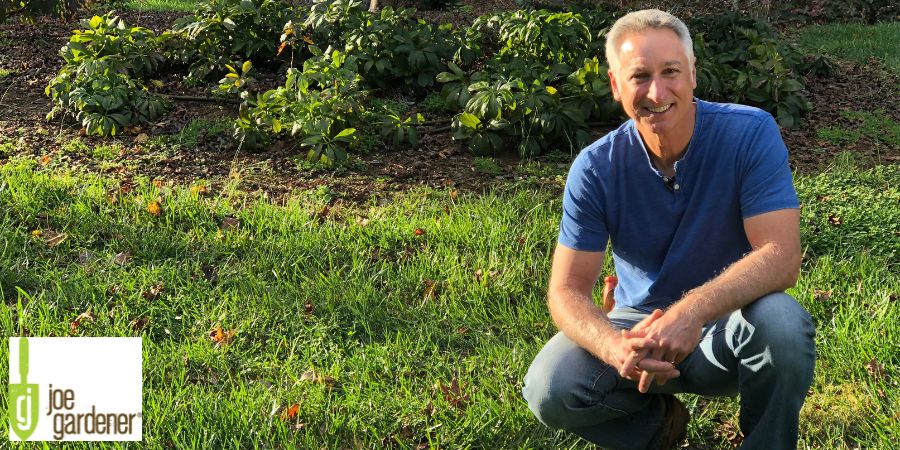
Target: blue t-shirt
(669, 239)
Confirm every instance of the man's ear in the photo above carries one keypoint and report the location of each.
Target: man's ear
(613, 84)
(694, 75)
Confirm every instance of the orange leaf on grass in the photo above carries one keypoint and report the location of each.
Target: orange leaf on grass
(154, 208)
(291, 412)
(419, 232)
(221, 337)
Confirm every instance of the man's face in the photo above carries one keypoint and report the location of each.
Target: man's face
(655, 81)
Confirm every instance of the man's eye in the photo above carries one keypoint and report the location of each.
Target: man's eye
(639, 76)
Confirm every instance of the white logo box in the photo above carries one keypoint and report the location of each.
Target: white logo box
(92, 375)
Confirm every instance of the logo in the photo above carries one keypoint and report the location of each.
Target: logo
(75, 389)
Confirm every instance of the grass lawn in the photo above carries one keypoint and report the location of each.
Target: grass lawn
(392, 324)
(163, 5)
(856, 42)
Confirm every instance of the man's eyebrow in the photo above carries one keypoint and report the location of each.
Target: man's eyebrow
(673, 62)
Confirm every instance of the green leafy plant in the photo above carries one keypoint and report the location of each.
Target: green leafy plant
(740, 59)
(318, 106)
(222, 31)
(97, 82)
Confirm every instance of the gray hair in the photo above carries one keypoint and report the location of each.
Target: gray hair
(645, 19)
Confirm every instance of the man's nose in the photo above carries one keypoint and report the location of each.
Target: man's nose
(655, 90)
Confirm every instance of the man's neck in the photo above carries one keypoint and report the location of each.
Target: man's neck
(666, 149)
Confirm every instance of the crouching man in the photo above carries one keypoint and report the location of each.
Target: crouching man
(698, 202)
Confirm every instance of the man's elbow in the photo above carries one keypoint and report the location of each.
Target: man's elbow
(792, 270)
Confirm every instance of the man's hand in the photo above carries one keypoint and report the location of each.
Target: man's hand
(676, 337)
(629, 354)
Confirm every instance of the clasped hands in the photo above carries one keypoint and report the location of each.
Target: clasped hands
(651, 350)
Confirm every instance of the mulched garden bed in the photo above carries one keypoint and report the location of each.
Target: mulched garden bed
(31, 53)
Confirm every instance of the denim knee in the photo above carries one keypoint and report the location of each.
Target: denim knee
(562, 384)
(787, 329)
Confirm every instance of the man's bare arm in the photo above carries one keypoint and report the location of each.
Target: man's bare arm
(572, 307)
(773, 265)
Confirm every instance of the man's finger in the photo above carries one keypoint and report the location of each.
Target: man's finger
(631, 362)
(645, 382)
(655, 365)
(656, 314)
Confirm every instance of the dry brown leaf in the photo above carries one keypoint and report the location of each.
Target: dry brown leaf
(454, 394)
(229, 223)
(53, 238)
(122, 258)
(141, 138)
(308, 308)
(45, 160)
(834, 220)
(200, 190)
(419, 232)
(822, 295)
(431, 289)
(154, 292)
(140, 323)
(876, 370)
(454, 194)
(158, 184)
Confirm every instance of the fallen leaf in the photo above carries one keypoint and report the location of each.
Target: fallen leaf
(290, 413)
(139, 323)
(876, 370)
(154, 292)
(822, 296)
(431, 289)
(229, 223)
(126, 186)
(53, 238)
(308, 308)
(419, 232)
(86, 257)
(454, 394)
(281, 47)
(86, 317)
(200, 190)
(221, 337)
(362, 221)
(45, 160)
(429, 409)
(322, 214)
(462, 330)
(73, 327)
(154, 208)
(122, 258)
(834, 220)
(158, 184)
(141, 138)
(312, 376)
(454, 194)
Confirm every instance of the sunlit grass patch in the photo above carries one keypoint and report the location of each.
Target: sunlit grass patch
(366, 316)
(856, 42)
(164, 5)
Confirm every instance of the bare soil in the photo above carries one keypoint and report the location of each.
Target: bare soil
(30, 52)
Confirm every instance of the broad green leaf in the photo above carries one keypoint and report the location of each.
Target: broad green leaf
(469, 120)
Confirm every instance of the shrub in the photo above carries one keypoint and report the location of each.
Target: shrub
(223, 31)
(97, 81)
(319, 106)
(740, 59)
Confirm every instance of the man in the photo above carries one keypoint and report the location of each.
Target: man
(698, 202)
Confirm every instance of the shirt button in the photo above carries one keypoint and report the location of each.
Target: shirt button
(676, 187)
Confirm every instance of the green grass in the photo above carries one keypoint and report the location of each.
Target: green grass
(856, 42)
(392, 314)
(163, 5)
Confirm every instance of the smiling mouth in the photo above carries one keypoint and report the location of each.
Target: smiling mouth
(661, 109)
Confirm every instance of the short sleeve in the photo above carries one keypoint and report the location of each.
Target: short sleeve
(766, 183)
(583, 223)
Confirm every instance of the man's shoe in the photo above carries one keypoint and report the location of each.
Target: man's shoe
(674, 425)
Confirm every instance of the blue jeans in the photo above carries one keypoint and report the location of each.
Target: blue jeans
(765, 352)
